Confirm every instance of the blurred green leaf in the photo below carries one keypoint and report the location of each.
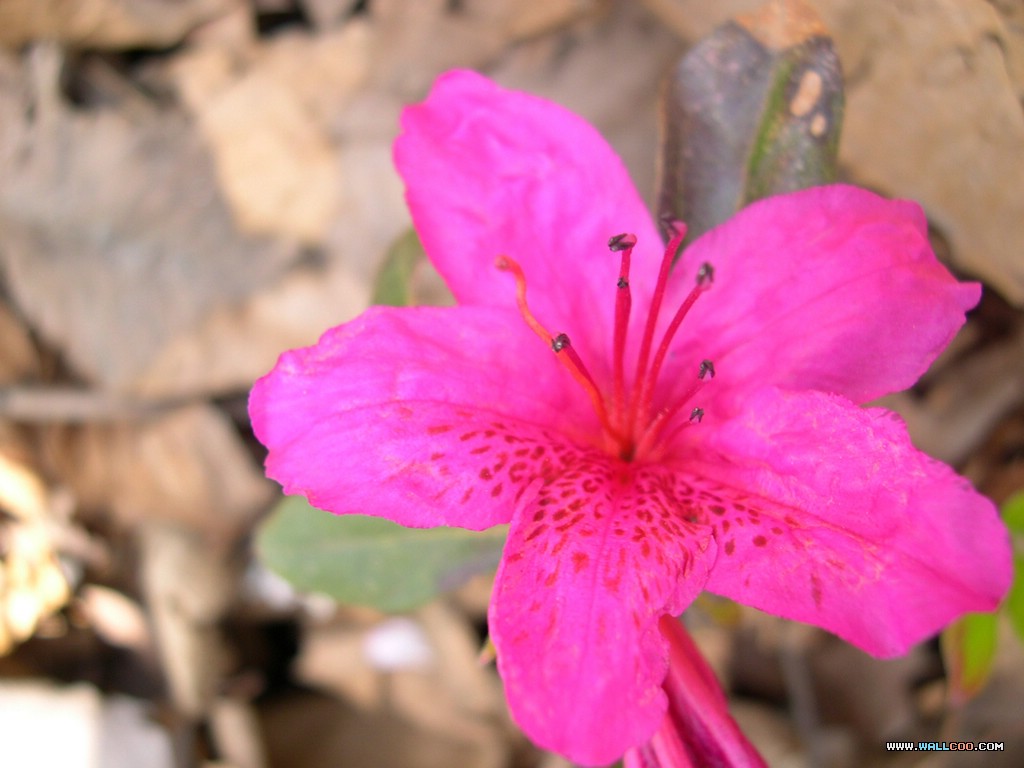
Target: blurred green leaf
(1014, 602)
(394, 285)
(968, 648)
(370, 561)
(969, 645)
(753, 110)
(1013, 514)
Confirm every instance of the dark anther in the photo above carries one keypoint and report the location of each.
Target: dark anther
(623, 283)
(670, 224)
(621, 242)
(696, 415)
(706, 274)
(560, 342)
(707, 368)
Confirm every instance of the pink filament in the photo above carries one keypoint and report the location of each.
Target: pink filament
(623, 306)
(652, 319)
(623, 425)
(567, 356)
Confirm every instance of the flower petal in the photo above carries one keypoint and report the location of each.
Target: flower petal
(698, 729)
(831, 288)
(698, 708)
(664, 750)
(417, 415)
(605, 549)
(827, 514)
(490, 171)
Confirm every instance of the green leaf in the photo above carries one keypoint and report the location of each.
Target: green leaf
(1013, 514)
(370, 561)
(1014, 602)
(394, 286)
(968, 648)
(753, 110)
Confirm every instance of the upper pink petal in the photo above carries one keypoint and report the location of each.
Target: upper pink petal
(605, 549)
(832, 288)
(418, 415)
(492, 172)
(825, 513)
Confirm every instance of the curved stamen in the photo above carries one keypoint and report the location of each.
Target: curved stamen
(573, 363)
(647, 392)
(561, 345)
(706, 371)
(652, 318)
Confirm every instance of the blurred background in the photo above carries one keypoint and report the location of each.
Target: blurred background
(189, 187)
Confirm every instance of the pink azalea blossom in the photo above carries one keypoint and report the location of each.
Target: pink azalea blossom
(698, 426)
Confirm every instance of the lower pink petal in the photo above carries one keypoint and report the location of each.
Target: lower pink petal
(417, 416)
(825, 513)
(604, 551)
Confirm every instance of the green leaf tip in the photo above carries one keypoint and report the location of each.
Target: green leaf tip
(394, 284)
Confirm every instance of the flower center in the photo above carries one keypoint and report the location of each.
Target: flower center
(631, 426)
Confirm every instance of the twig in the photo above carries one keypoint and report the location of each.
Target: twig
(67, 404)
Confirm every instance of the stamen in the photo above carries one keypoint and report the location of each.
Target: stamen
(662, 419)
(622, 242)
(652, 319)
(623, 305)
(647, 393)
(573, 363)
(561, 345)
(706, 274)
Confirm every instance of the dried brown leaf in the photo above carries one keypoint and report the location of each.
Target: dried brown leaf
(115, 234)
(933, 115)
(266, 123)
(188, 582)
(105, 23)
(780, 25)
(19, 359)
(187, 466)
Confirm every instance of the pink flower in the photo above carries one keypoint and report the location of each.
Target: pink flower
(633, 476)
